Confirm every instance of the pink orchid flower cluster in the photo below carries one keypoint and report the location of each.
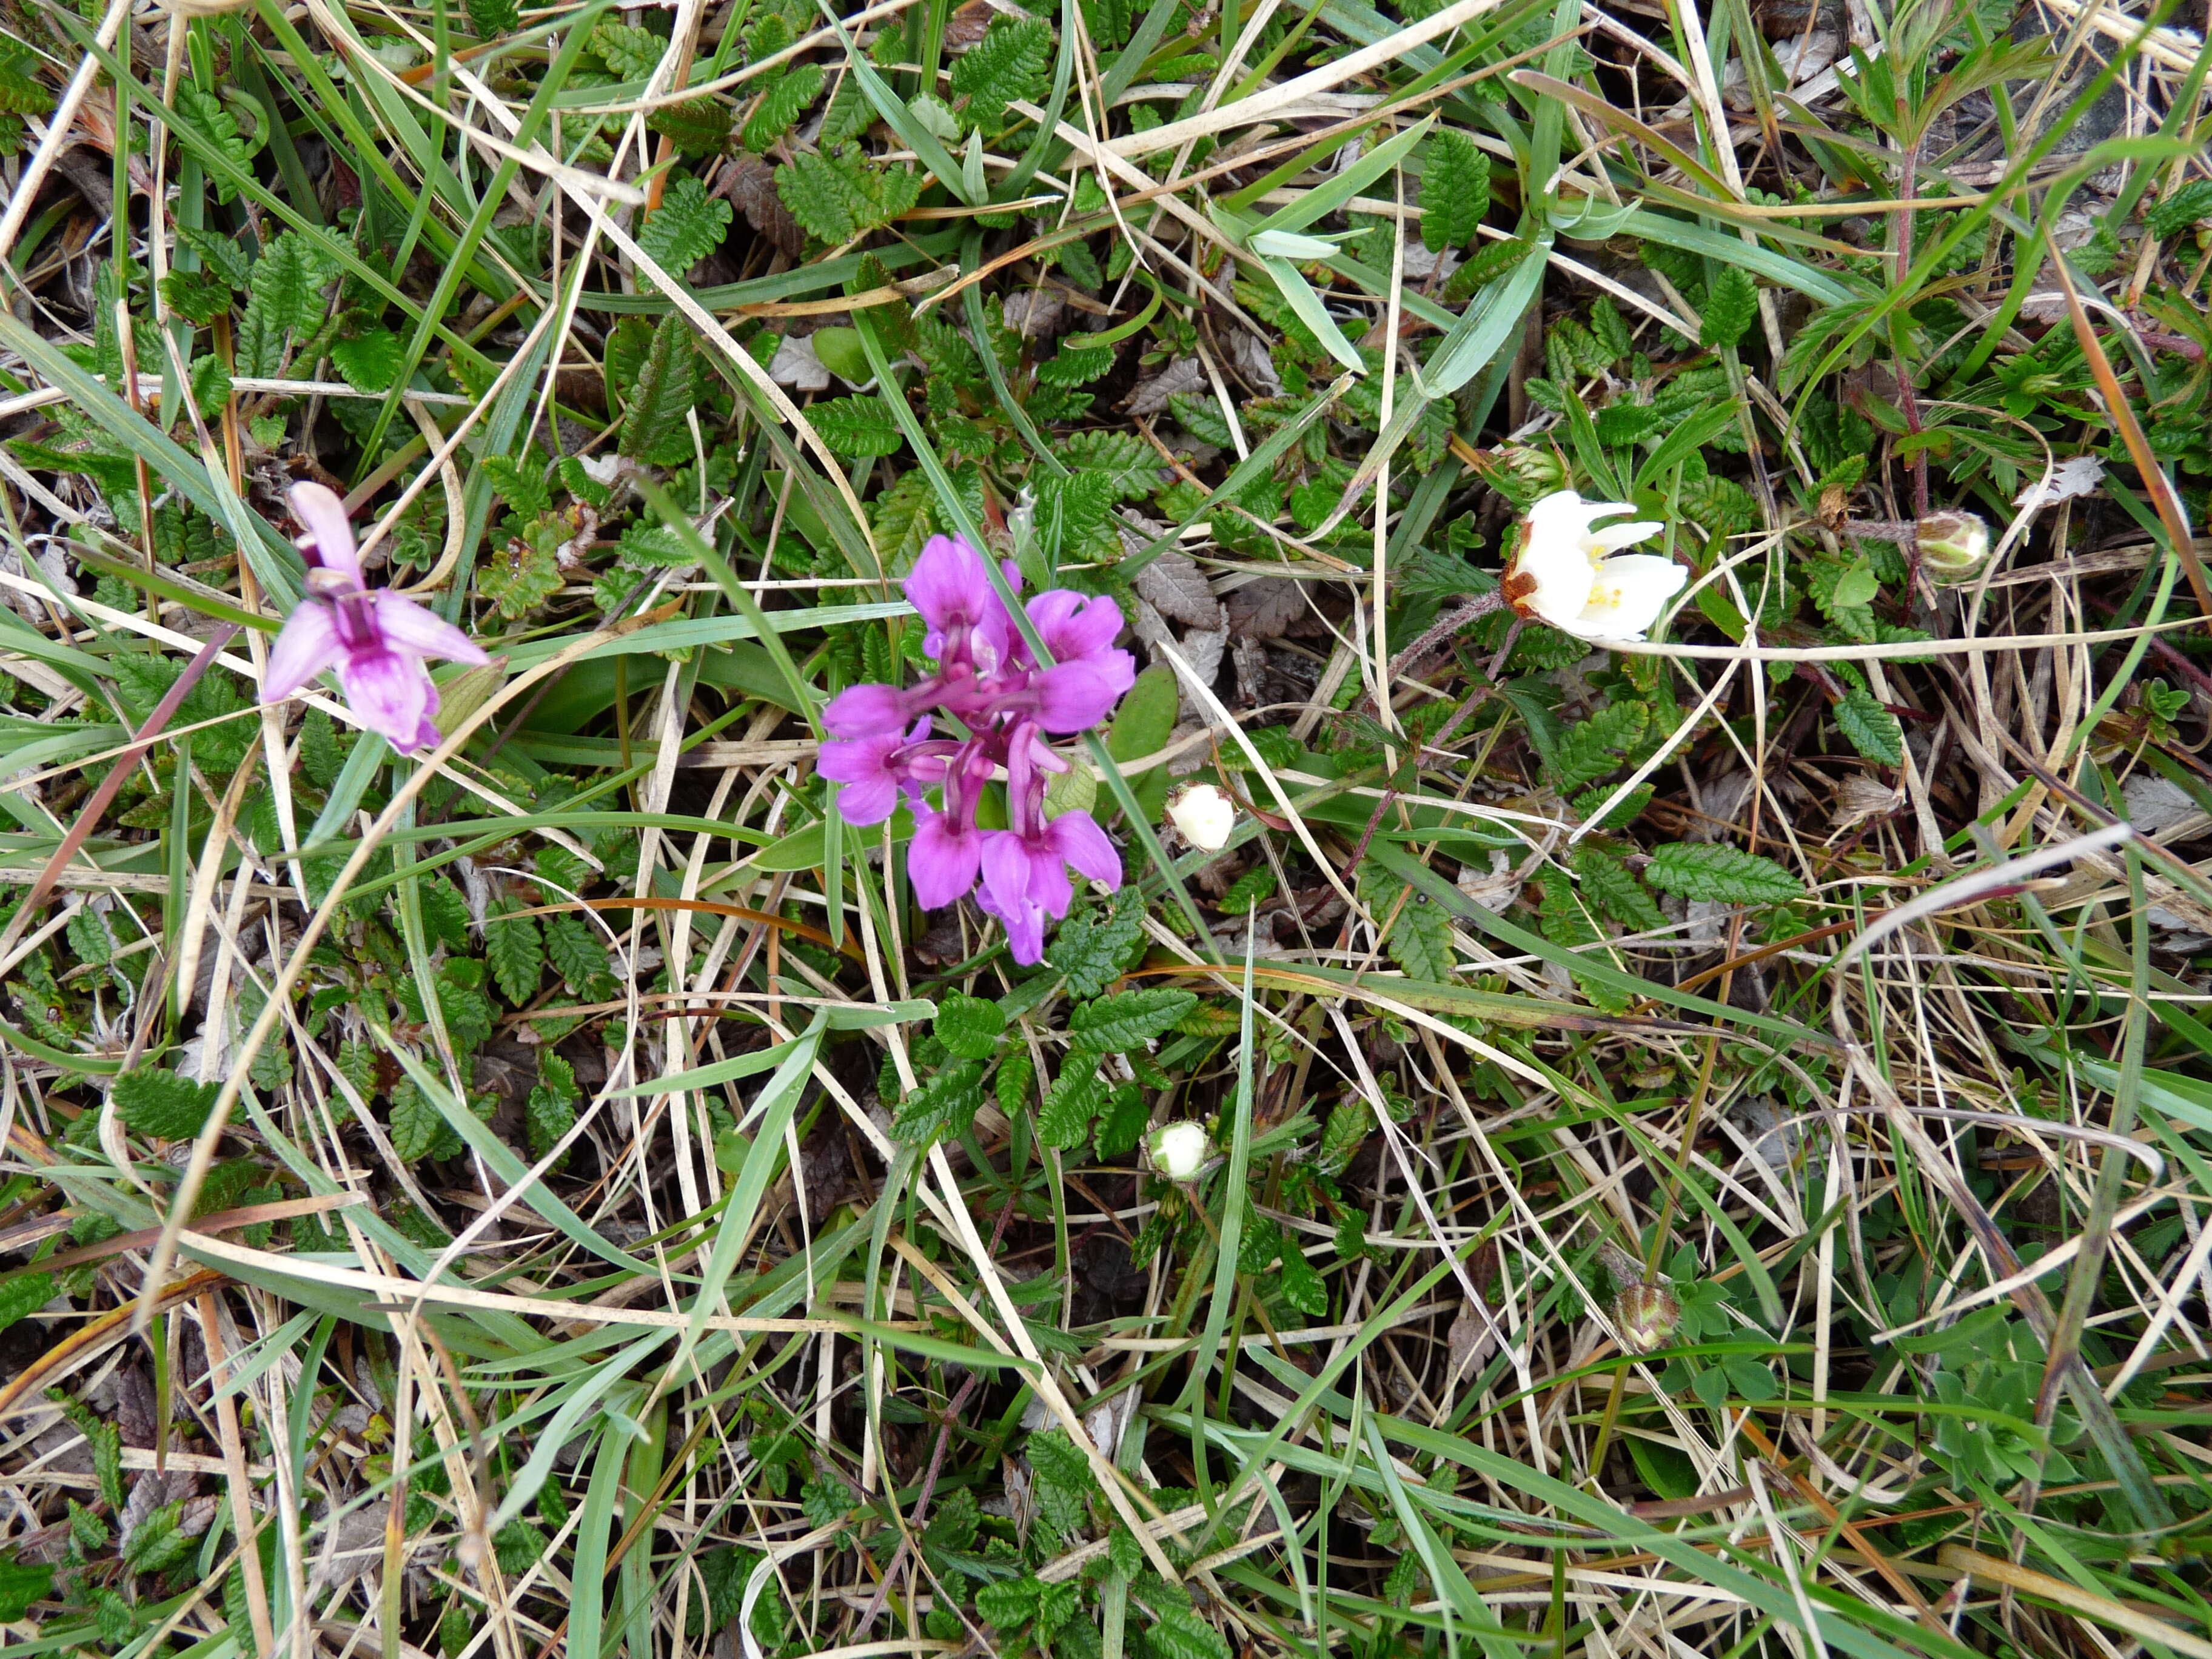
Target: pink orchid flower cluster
(1000, 702)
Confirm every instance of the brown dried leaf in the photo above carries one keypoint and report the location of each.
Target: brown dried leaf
(134, 1406)
(1037, 313)
(750, 183)
(1177, 589)
(1184, 374)
(968, 24)
(1267, 609)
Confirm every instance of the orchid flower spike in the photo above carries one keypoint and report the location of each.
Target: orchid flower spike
(1004, 702)
(1576, 578)
(378, 641)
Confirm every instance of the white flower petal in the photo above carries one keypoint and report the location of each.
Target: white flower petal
(1615, 537)
(1562, 515)
(1180, 1150)
(1562, 575)
(1628, 595)
(1204, 814)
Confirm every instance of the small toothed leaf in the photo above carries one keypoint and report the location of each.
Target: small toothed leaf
(1727, 875)
(687, 226)
(1454, 191)
(1731, 305)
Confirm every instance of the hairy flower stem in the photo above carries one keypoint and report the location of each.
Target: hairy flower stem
(1471, 609)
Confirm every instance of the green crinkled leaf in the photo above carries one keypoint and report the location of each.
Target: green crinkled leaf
(1870, 728)
(782, 105)
(2183, 207)
(1091, 950)
(21, 95)
(445, 912)
(857, 426)
(198, 296)
(903, 518)
(1606, 879)
(1302, 1285)
(521, 573)
(1454, 190)
(1200, 416)
(968, 1027)
(208, 112)
(577, 954)
(1731, 307)
(849, 114)
(630, 52)
(667, 388)
(942, 1108)
(835, 199)
(22, 1297)
(493, 18)
(1016, 1083)
(1487, 264)
(158, 1542)
(370, 360)
(687, 226)
(1072, 1104)
(1075, 514)
(1008, 62)
(288, 280)
(162, 1104)
(1117, 1023)
(515, 949)
(1176, 1633)
(1121, 1123)
(548, 1115)
(700, 126)
(1697, 870)
(1010, 1603)
(520, 481)
(1591, 748)
(414, 1127)
(1419, 941)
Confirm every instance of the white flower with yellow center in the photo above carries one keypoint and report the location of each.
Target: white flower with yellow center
(1576, 578)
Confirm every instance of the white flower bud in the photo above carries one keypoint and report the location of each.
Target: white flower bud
(1953, 544)
(1204, 814)
(1179, 1150)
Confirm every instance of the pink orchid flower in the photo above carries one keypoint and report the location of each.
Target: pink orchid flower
(378, 641)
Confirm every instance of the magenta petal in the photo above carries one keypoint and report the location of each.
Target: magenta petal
(392, 694)
(1050, 891)
(319, 507)
(941, 862)
(866, 711)
(1005, 870)
(868, 800)
(870, 785)
(1075, 696)
(947, 584)
(1077, 837)
(1024, 925)
(1072, 625)
(414, 628)
(307, 645)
